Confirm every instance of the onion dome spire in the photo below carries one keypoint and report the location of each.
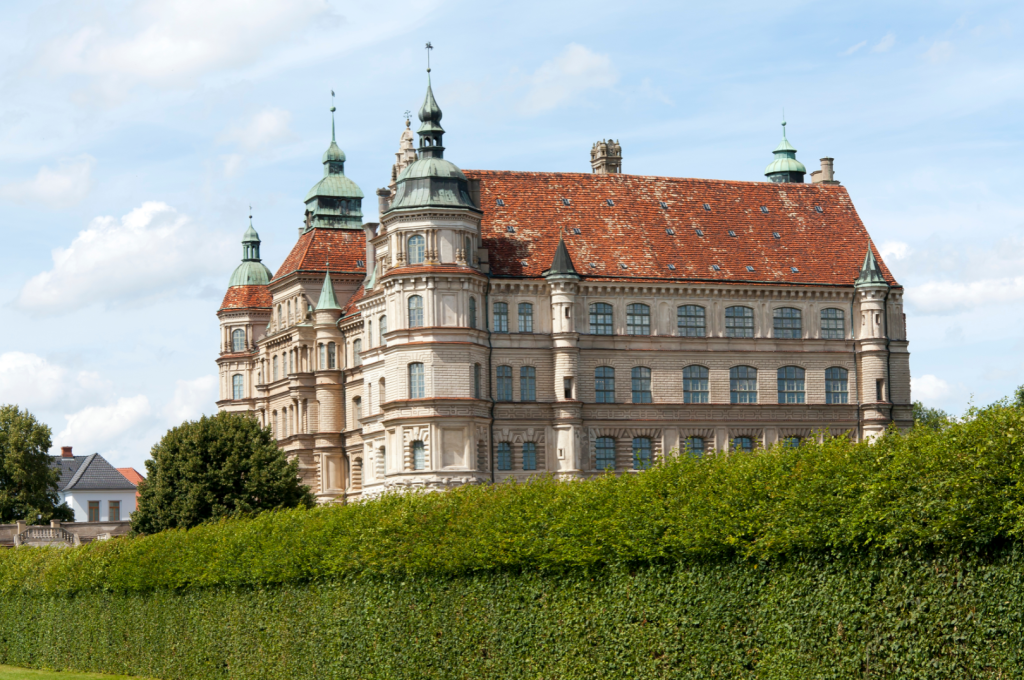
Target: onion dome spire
(430, 131)
(785, 167)
(251, 272)
(335, 202)
(870, 272)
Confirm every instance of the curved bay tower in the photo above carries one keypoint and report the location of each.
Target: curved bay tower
(506, 324)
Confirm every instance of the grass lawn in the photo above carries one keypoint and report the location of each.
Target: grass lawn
(12, 673)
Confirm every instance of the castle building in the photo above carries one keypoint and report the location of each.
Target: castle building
(499, 325)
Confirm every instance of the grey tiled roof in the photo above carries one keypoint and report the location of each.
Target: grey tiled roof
(90, 473)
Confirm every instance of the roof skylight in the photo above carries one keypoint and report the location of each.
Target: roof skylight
(672, 267)
(749, 268)
(794, 270)
(670, 231)
(623, 266)
(776, 234)
(700, 232)
(764, 209)
(566, 201)
(707, 206)
(593, 265)
(576, 230)
(817, 208)
(663, 204)
(611, 202)
(360, 263)
(510, 229)
(524, 263)
(716, 267)
(500, 203)
(732, 233)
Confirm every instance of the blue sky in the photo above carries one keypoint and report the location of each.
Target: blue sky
(135, 133)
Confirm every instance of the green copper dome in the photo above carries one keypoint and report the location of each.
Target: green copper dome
(785, 167)
(335, 202)
(251, 272)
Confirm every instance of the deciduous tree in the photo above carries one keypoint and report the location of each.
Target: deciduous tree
(28, 477)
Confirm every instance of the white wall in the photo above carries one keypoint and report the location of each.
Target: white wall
(79, 502)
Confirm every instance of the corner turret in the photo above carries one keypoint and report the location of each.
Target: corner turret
(785, 167)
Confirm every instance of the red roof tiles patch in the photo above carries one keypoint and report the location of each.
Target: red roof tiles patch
(247, 297)
(350, 307)
(626, 234)
(343, 248)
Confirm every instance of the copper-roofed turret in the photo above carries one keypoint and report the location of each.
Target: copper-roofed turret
(561, 265)
(870, 272)
(252, 272)
(785, 167)
(335, 202)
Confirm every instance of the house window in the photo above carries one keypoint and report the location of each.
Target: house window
(114, 511)
(638, 319)
(323, 356)
(94, 511)
(742, 444)
(237, 386)
(472, 312)
(504, 456)
(690, 320)
(415, 311)
(695, 446)
(600, 318)
(274, 362)
(791, 385)
(880, 390)
(382, 328)
(791, 442)
(527, 383)
(476, 381)
(836, 390)
(743, 385)
(525, 317)
(695, 385)
(332, 355)
(529, 456)
(419, 456)
(787, 323)
(833, 325)
(380, 395)
(641, 385)
(739, 322)
(357, 351)
(605, 450)
(369, 334)
(641, 453)
(567, 387)
(237, 340)
(604, 385)
(504, 383)
(500, 317)
(417, 248)
(417, 390)
(357, 411)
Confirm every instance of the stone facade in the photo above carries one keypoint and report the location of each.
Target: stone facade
(501, 325)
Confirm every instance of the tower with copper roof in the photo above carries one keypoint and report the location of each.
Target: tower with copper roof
(785, 167)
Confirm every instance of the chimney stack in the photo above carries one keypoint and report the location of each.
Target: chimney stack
(606, 157)
(383, 200)
(826, 174)
(65, 452)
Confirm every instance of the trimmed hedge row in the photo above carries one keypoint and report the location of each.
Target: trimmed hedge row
(943, 490)
(946, 618)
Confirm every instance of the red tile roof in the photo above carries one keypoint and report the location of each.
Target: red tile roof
(247, 297)
(341, 247)
(133, 476)
(826, 248)
(349, 308)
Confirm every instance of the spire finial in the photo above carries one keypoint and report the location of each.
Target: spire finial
(332, 115)
(408, 116)
(428, 48)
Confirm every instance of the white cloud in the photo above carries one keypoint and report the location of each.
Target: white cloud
(150, 251)
(59, 187)
(32, 382)
(853, 49)
(233, 164)
(565, 77)
(939, 51)
(928, 388)
(885, 43)
(264, 129)
(948, 297)
(96, 427)
(894, 250)
(170, 43)
(192, 399)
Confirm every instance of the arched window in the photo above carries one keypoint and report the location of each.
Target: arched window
(237, 340)
(369, 399)
(601, 319)
(604, 385)
(641, 453)
(787, 323)
(504, 383)
(833, 324)
(357, 410)
(332, 355)
(527, 383)
(529, 456)
(504, 456)
(382, 328)
(525, 317)
(791, 385)
(357, 351)
(274, 362)
(695, 385)
(415, 311)
(500, 317)
(638, 319)
(836, 390)
(472, 312)
(476, 382)
(742, 444)
(739, 322)
(419, 456)
(291, 361)
(604, 451)
(323, 356)
(469, 249)
(791, 442)
(237, 386)
(695, 446)
(275, 426)
(743, 385)
(417, 249)
(641, 385)
(690, 321)
(417, 389)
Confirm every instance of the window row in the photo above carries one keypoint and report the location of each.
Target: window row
(604, 453)
(691, 321)
(416, 248)
(528, 458)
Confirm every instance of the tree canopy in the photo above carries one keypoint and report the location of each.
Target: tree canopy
(220, 466)
(934, 418)
(28, 478)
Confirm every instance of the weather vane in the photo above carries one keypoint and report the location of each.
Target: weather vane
(429, 47)
(407, 114)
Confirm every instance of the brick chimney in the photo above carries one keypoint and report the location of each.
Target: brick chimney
(65, 452)
(826, 174)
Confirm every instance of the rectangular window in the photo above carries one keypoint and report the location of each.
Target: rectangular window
(419, 456)
(357, 352)
(638, 319)
(275, 366)
(476, 381)
(743, 385)
(525, 317)
(504, 384)
(641, 453)
(739, 322)
(880, 390)
(323, 356)
(604, 385)
(690, 321)
(527, 383)
(472, 312)
(500, 317)
(332, 355)
(695, 446)
(94, 511)
(604, 458)
(832, 324)
(791, 385)
(114, 511)
(836, 386)
(504, 456)
(641, 385)
(237, 387)
(417, 388)
(529, 456)
(787, 323)
(601, 319)
(695, 385)
(567, 387)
